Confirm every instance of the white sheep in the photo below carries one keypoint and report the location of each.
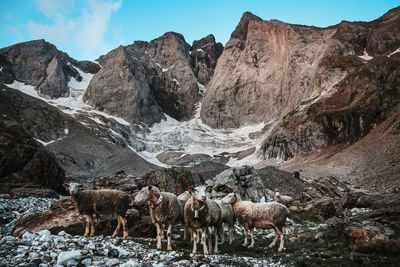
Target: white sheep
(261, 215)
(105, 201)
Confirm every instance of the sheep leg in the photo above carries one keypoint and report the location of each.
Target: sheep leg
(204, 230)
(222, 232)
(231, 231)
(245, 236)
(169, 236)
(217, 230)
(87, 222)
(282, 242)
(275, 238)
(194, 234)
(118, 227)
(198, 234)
(123, 221)
(184, 232)
(252, 237)
(91, 226)
(158, 235)
(162, 231)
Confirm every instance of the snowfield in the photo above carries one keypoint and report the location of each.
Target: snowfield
(188, 137)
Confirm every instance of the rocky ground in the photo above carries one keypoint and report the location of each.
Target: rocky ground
(329, 225)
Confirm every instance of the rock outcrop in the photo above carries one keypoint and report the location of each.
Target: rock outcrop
(42, 65)
(271, 68)
(142, 81)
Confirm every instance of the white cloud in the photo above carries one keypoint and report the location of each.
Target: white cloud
(85, 31)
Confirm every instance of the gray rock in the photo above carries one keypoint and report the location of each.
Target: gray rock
(87, 262)
(243, 180)
(66, 256)
(112, 262)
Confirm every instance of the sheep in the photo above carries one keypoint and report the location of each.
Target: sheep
(262, 215)
(286, 200)
(183, 198)
(201, 212)
(227, 216)
(164, 208)
(105, 201)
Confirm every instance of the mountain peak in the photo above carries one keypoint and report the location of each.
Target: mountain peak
(241, 29)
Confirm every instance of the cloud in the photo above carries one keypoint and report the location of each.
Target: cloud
(84, 31)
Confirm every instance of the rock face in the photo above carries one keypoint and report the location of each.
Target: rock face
(42, 65)
(205, 53)
(140, 82)
(271, 68)
(24, 162)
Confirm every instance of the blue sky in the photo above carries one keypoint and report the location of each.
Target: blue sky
(86, 29)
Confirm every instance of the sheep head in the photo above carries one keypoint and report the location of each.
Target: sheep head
(148, 193)
(197, 193)
(231, 198)
(73, 188)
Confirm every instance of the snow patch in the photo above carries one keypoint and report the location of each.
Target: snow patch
(164, 70)
(77, 89)
(199, 50)
(69, 105)
(394, 52)
(365, 56)
(1, 68)
(66, 131)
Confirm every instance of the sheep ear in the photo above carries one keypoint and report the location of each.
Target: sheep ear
(191, 189)
(66, 185)
(209, 188)
(150, 187)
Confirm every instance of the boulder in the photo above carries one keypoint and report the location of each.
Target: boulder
(244, 181)
(175, 180)
(325, 207)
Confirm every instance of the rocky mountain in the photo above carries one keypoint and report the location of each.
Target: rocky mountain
(42, 65)
(269, 68)
(142, 81)
(317, 87)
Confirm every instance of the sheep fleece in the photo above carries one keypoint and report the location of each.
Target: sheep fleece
(103, 201)
(274, 212)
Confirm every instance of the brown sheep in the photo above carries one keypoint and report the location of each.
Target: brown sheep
(105, 201)
(164, 208)
(262, 215)
(201, 212)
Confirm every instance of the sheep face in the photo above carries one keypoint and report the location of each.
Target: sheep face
(231, 198)
(73, 188)
(146, 194)
(198, 193)
(184, 196)
(277, 196)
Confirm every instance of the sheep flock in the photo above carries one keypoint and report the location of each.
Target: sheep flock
(200, 215)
